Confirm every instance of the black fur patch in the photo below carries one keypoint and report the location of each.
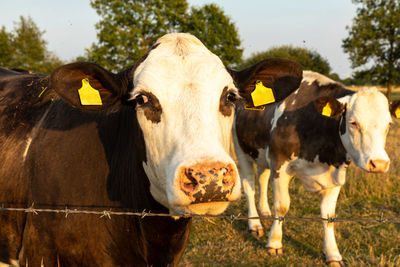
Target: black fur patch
(225, 105)
(152, 109)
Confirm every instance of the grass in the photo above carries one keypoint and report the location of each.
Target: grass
(220, 242)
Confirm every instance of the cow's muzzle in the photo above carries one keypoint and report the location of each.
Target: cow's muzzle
(207, 181)
(378, 165)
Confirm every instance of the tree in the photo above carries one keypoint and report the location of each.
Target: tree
(216, 31)
(374, 40)
(25, 48)
(309, 59)
(6, 47)
(129, 28)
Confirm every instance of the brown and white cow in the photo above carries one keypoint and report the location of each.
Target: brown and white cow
(159, 142)
(293, 139)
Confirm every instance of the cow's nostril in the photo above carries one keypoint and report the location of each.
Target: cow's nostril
(189, 183)
(372, 164)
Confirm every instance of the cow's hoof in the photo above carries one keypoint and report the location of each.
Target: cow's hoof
(275, 251)
(257, 233)
(335, 263)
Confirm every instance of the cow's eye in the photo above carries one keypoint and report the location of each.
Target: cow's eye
(141, 99)
(354, 125)
(232, 97)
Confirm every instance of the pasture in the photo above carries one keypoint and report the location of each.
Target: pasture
(395, 90)
(221, 242)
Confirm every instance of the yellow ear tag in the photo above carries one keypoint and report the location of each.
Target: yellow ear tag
(88, 95)
(262, 95)
(397, 112)
(326, 110)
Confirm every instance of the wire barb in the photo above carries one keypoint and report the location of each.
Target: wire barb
(106, 213)
(31, 209)
(280, 218)
(143, 214)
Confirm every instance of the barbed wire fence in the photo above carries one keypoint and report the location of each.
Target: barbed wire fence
(232, 217)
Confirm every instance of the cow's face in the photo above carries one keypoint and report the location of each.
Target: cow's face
(184, 99)
(367, 122)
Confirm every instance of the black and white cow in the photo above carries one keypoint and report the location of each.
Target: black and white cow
(159, 142)
(293, 139)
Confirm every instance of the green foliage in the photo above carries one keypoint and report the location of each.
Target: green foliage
(25, 48)
(6, 47)
(374, 40)
(128, 28)
(309, 59)
(216, 31)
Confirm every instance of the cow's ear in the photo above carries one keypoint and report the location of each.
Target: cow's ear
(283, 76)
(99, 87)
(329, 107)
(395, 109)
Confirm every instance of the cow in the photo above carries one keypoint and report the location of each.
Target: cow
(313, 134)
(154, 137)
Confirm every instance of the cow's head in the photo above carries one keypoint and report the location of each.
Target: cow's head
(184, 100)
(364, 123)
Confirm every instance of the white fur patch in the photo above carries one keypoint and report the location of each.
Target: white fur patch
(316, 175)
(278, 112)
(34, 133)
(13, 263)
(310, 77)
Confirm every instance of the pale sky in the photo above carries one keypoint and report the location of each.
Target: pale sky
(315, 24)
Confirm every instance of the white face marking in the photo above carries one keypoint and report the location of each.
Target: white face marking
(188, 81)
(277, 114)
(310, 77)
(367, 122)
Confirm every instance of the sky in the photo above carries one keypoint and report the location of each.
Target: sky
(319, 25)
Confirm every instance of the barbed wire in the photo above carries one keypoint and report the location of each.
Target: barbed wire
(108, 213)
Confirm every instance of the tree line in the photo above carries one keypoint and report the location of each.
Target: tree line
(127, 29)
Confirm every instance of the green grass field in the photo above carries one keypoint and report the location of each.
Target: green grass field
(218, 242)
(396, 96)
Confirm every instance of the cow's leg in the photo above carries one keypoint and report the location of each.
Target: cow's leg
(328, 205)
(263, 179)
(246, 171)
(280, 187)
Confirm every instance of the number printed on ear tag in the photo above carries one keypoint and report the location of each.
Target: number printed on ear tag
(254, 108)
